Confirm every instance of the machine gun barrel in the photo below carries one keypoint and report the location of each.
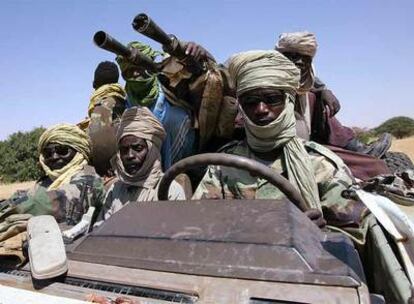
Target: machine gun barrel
(146, 26)
(109, 43)
(170, 44)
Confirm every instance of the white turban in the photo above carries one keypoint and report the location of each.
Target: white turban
(303, 43)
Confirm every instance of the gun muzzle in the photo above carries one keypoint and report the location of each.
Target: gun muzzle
(108, 43)
(170, 44)
(133, 55)
(146, 26)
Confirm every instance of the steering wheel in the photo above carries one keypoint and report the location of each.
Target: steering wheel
(253, 167)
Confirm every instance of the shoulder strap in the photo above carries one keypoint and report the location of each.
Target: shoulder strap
(310, 145)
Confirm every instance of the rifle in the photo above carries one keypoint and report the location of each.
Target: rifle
(170, 43)
(108, 43)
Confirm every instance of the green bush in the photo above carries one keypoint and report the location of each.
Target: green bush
(399, 127)
(364, 135)
(19, 157)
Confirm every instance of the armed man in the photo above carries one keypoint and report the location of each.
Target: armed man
(184, 90)
(266, 87)
(69, 189)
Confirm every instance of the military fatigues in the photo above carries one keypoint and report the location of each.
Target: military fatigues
(67, 204)
(331, 174)
(102, 127)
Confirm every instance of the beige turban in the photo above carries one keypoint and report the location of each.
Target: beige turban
(66, 135)
(140, 122)
(303, 43)
(263, 69)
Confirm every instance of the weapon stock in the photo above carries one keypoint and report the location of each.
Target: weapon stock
(109, 43)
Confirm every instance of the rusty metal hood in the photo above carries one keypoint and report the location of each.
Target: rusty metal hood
(258, 240)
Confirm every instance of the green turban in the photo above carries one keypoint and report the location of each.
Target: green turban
(142, 90)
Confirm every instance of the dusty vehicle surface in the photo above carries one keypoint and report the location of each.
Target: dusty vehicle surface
(215, 251)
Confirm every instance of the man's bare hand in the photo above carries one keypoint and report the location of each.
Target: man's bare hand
(198, 52)
(330, 100)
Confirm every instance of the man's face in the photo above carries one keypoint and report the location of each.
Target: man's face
(57, 156)
(262, 106)
(133, 151)
(302, 62)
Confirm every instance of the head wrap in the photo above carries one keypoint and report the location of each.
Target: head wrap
(262, 69)
(105, 91)
(270, 69)
(302, 43)
(106, 72)
(141, 90)
(66, 135)
(140, 122)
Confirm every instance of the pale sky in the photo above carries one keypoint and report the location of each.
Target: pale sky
(365, 50)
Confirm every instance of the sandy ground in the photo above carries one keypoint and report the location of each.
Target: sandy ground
(7, 190)
(405, 145)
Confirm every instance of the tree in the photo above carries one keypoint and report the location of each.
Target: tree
(399, 127)
(19, 157)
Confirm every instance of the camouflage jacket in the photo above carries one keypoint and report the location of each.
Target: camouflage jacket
(67, 204)
(332, 177)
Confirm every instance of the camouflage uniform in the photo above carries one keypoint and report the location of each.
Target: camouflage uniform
(108, 111)
(66, 203)
(102, 126)
(331, 174)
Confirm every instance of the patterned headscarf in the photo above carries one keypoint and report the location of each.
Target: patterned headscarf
(66, 135)
(270, 69)
(140, 122)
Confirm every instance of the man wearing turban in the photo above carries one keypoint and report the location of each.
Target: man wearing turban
(64, 156)
(186, 102)
(69, 189)
(144, 89)
(317, 105)
(138, 162)
(266, 85)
